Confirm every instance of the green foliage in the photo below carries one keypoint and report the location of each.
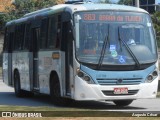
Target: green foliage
(156, 21)
(21, 7)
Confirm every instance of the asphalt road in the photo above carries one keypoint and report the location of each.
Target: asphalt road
(7, 97)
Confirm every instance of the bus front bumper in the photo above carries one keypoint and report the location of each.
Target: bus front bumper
(85, 91)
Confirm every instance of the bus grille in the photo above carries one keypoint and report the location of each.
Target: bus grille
(111, 93)
(123, 81)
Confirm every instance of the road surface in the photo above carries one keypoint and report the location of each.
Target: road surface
(7, 97)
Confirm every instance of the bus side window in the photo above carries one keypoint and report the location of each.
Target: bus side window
(6, 40)
(43, 34)
(17, 40)
(18, 45)
(59, 32)
(52, 33)
(27, 37)
(11, 39)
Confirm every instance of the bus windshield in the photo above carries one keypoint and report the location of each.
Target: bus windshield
(114, 38)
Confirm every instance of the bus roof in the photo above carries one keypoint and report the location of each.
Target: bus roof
(78, 7)
(95, 6)
(85, 6)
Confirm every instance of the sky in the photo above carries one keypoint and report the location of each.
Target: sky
(157, 1)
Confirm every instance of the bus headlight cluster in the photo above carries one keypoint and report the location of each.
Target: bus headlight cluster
(84, 76)
(152, 76)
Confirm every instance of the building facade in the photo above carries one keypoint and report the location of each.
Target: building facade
(149, 5)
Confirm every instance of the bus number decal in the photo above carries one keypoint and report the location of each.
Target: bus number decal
(89, 17)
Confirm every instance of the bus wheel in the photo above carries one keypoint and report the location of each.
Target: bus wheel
(55, 93)
(17, 87)
(122, 102)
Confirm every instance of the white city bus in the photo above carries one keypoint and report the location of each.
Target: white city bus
(82, 51)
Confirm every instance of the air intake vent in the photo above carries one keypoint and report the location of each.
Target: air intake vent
(122, 81)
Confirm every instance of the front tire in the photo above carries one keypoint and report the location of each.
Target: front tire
(55, 93)
(122, 102)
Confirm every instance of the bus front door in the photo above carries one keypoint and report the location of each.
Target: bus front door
(35, 38)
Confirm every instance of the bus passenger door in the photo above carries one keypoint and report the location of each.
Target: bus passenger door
(35, 38)
(67, 47)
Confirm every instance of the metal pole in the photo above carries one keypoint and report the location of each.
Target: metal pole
(137, 3)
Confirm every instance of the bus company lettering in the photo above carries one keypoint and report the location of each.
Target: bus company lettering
(107, 18)
(112, 18)
(120, 18)
(133, 18)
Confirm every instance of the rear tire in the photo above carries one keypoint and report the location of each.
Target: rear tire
(55, 93)
(122, 102)
(17, 87)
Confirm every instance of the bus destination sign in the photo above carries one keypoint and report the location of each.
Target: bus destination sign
(112, 18)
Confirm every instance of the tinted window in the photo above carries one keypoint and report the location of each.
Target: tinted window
(44, 31)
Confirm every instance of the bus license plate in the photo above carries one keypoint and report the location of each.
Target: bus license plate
(120, 90)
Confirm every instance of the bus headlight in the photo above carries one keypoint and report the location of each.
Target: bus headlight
(152, 76)
(80, 73)
(84, 76)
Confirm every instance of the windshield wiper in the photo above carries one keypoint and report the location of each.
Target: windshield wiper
(106, 40)
(129, 50)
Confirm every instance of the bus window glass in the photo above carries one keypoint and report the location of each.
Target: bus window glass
(6, 39)
(97, 31)
(20, 29)
(52, 33)
(27, 37)
(44, 33)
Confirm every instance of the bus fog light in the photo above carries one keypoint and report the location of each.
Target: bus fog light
(86, 78)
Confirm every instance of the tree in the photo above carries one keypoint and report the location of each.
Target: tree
(156, 22)
(21, 7)
(125, 2)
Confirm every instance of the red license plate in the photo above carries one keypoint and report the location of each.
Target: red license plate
(120, 90)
